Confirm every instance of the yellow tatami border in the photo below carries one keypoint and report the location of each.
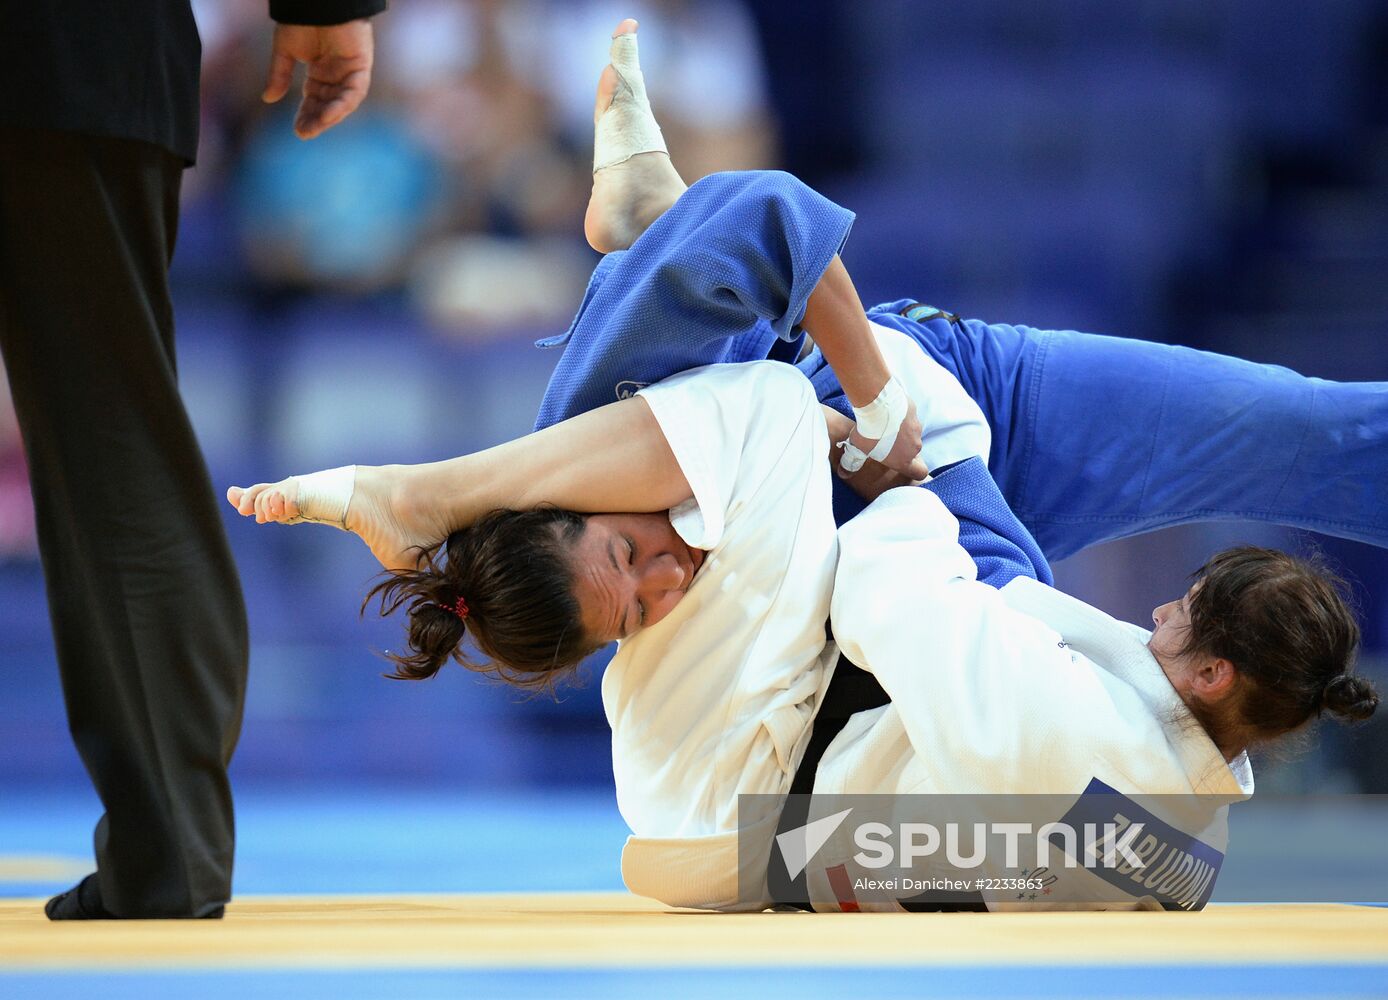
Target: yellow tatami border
(617, 930)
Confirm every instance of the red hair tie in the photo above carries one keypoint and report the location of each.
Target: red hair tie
(459, 608)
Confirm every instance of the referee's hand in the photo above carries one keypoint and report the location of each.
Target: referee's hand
(338, 58)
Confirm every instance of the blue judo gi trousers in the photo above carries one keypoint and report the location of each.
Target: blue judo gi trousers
(1094, 438)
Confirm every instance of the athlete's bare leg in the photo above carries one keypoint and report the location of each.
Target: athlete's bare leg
(630, 194)
(394, 509)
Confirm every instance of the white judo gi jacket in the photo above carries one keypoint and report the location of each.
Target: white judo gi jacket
(1022, 690)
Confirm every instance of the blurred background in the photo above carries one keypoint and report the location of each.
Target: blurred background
(1205, 172)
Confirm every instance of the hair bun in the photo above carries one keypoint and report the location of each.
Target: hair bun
(1350, 697)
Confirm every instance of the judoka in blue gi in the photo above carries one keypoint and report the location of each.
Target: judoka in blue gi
(1150, 435)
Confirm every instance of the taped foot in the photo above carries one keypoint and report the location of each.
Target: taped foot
(633, 178)
(369, 501)
(317, 498)
(626, 127)
(325, 496)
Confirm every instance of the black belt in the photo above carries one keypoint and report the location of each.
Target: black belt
(851, 690)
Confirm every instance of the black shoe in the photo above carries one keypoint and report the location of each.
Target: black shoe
(83, 902)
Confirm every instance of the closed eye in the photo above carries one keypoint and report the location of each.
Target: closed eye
(631, 561)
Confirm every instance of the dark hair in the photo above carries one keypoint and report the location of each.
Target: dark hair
(512, 570)
(1285, 625)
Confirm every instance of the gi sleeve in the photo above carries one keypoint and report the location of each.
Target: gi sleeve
(991, 690)
(732, 427)
(720, 277)
(1000, 545)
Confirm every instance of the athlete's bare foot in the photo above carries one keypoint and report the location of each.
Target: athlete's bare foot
(381, 513)
(632, 191)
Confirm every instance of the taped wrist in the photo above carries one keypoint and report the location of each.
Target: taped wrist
(325, 496)
(628, 127)
(881, 419)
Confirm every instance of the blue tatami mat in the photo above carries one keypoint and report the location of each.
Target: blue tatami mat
(1080, 982)
(361, 840)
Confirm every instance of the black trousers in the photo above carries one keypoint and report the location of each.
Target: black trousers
(147, 613)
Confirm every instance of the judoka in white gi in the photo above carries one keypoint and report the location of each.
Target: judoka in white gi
(1003, 691)
(707, 546)
(1019, 690)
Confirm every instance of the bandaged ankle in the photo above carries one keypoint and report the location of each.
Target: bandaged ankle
(880, 419)
(325, 496)
(627, 127)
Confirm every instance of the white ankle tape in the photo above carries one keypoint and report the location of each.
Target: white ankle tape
(325, 496)
(880, 419)
(627, 127)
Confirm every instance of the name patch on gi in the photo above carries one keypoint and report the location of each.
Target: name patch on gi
(1177, 869)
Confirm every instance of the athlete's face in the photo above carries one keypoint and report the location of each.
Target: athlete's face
(630, 570)
(1170, 627)
(1198, 676)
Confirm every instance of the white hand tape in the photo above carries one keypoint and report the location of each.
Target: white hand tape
(881, 419)
(853, 457)
(325, 496)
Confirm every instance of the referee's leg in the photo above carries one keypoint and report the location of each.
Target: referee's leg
(146, 608)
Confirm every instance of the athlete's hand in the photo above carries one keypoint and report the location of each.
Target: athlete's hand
(339, 59)
(874, 478)
(904, 458)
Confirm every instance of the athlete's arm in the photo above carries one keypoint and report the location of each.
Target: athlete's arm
(738, 254)
(834, 317)
(612, 459)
